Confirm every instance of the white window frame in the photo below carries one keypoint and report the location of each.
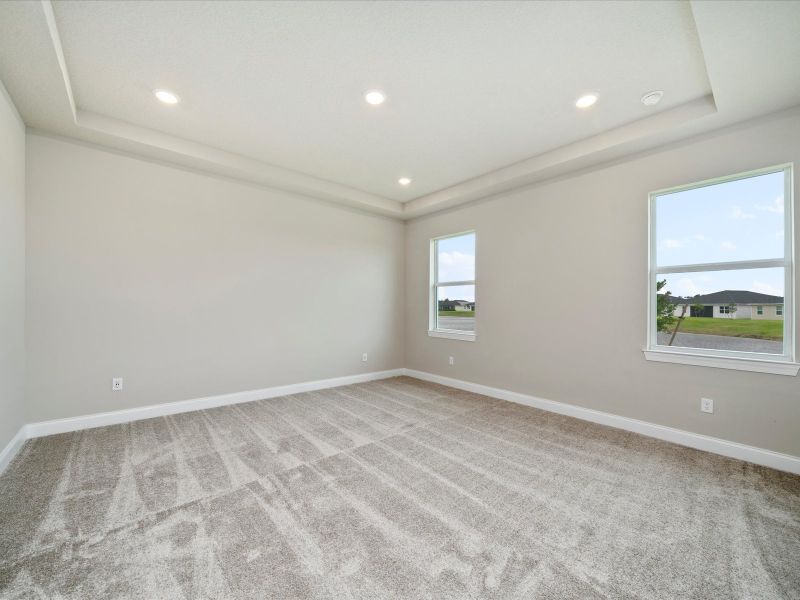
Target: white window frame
(433, 308)
(784, 364)
(779, 309)
(759, 311)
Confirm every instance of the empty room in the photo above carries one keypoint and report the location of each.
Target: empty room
(399, 300)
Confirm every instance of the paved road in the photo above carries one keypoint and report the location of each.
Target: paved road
(457, 323)
(721, 342)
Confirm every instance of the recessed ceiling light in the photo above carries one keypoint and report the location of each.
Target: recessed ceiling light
(375, 97)
(586, 101)
(166, 96)
(652, 98)
(404, 181)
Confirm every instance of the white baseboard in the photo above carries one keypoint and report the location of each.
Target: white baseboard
(171, 408)
(759, 456)
(8, 453)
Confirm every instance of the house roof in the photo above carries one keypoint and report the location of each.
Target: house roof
(731, 297)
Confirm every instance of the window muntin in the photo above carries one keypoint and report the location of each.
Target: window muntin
(733, 234)
(452, 304)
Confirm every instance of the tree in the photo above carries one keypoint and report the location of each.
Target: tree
(665, 309)
(685, 309)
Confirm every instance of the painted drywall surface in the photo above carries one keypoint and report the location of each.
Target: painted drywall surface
(552, 258)
(188, 285)
(12, 270)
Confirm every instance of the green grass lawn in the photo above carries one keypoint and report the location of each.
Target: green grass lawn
(749, 328)
(456, 313)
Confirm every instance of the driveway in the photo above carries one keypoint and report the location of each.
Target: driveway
(457, 323)
(721, 342)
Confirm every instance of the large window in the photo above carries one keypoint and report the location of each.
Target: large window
(452, 292)
(720, 251)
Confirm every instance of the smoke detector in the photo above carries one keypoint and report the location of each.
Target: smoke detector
(652, 98)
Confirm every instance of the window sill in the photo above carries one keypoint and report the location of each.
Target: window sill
(453, 335)
(775, 367)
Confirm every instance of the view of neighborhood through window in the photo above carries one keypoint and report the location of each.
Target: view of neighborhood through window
(454, 283)
(719, 265)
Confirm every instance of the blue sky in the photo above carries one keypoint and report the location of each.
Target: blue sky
(457, 263)
(738, 220)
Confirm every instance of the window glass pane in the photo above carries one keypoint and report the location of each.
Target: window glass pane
(456, 258)
(737, 220)
(456, 308)
(721, 310)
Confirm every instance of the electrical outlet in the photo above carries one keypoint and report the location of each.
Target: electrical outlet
(116, 384)
(364, 357)
(452, 360)
(707, 405)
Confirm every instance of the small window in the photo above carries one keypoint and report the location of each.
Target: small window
(725, 243)
(452, 304)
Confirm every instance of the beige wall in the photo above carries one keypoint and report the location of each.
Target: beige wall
(12, 270)
(551, 257)
(770, 313)
(188, 285)
(718, 314)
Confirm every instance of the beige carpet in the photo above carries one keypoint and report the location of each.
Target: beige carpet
(390, 489)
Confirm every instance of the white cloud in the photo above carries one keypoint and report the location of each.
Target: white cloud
(674, 243)
(688, 286)
(766, 288)
(697, 283)
(699, 237)
(728, 246)
(456, 266)
(738, 213)
(775, 207)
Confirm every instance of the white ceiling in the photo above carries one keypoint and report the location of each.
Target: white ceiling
(471, 87)
(480, 94)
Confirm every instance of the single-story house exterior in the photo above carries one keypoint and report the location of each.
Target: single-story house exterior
(732, 304)
(458, 305)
